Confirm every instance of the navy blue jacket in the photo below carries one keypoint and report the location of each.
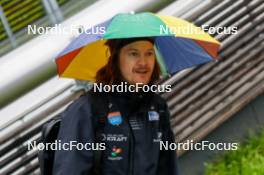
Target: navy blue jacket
(135, 124)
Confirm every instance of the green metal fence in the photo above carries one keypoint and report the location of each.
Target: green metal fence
(16, 15)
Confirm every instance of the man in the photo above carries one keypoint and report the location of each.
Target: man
(134, 125)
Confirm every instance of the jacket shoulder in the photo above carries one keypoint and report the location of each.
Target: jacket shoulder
(83, 99)
(157, 99)
(82, 102)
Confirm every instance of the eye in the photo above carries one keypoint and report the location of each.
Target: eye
(150, 53)
(134, 54)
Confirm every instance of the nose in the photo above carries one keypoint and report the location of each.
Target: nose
(142, 61)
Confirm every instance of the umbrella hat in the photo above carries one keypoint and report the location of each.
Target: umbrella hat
(178, 44)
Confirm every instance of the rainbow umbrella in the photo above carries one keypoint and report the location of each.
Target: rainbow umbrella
(178, 44)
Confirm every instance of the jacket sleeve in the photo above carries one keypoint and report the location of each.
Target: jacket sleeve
(76, 127)
(168, 158)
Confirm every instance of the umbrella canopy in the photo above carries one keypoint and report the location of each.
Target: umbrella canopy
(178, 44)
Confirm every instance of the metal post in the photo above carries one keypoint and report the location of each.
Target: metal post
(7, 28)
(53, 11)
(56, 10)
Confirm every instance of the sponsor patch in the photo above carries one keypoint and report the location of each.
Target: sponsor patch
(114, 137)
(114, 118)
(115, 153)
(153, 116)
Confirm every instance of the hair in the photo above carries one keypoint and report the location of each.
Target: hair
(110, 73)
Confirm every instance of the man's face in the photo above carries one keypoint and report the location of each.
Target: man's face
(137, 61)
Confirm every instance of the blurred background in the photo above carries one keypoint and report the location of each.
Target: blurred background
(220, 101)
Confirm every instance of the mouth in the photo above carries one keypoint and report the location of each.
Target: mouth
(141, 71)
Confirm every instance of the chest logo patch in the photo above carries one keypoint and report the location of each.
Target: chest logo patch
(114, 118)
(153, 116)
(115, 154)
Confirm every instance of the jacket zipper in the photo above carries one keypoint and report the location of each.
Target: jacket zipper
(131, 151)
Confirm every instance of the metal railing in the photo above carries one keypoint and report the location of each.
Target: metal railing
(204, 97)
